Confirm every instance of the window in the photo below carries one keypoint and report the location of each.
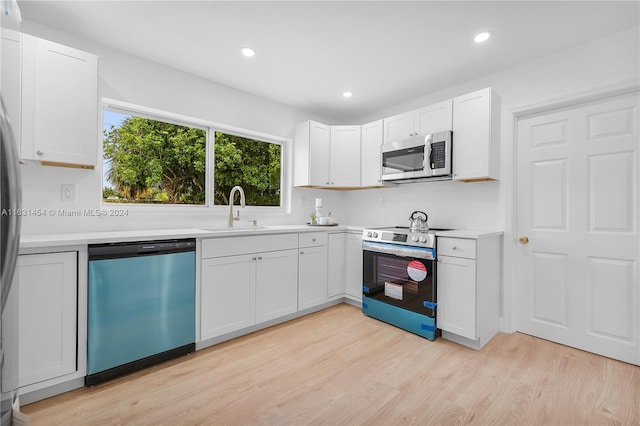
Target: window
(253, 164)
(150, 159)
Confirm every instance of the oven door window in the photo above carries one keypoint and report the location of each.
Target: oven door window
(401, 281)
(403, 160)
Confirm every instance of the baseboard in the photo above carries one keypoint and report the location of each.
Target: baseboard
(29, 397)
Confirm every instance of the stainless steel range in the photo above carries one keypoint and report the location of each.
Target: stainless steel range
(399, 278)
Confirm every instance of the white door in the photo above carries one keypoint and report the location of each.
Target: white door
(345, 156)
(312, 276)
(353, 265)
(577, 204)
(276, 284)
(457, 296)
(435, 118)
(47, 286)
(228, 294)
(319, 148)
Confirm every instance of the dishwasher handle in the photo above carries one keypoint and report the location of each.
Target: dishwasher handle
(140, 248)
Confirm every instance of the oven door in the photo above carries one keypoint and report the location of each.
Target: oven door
(401, 276)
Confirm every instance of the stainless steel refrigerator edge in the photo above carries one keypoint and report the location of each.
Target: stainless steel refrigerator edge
(10, 198)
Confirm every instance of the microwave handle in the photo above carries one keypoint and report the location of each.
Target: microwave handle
(428, 140)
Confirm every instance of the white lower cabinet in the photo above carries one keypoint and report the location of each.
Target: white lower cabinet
(457, 295)
(312, 269)
(336, 264)
(228, 294)
(469, 288)
(247, 287)
(47, 328)
(353, 266)
(276, 284)
(345, 265)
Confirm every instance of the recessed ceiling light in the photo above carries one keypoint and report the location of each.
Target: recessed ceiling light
(347, 94)
(248, 52)
(482, 37)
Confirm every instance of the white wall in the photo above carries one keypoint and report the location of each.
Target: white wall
(130, 79)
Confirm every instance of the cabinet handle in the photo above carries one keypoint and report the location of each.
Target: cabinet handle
(40, 152)
(523, 240)
(301, 252)
(313, 239)
(259, 257)
(454, 248)
(253, 258)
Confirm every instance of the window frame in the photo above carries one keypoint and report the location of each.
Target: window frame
(210, 128)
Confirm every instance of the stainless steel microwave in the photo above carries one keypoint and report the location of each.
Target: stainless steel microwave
(418, 159)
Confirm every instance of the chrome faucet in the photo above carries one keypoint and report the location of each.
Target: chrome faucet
(231, 195)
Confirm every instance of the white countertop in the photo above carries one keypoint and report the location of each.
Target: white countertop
(82, 238)
(469, 233)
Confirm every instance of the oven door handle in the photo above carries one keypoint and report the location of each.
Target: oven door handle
(399, 250)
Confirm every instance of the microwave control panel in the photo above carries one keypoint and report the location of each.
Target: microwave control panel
(438, 155)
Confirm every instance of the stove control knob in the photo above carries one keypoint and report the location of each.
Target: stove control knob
(414, 238)
(375, 235)
(369, 234)
(423, 239)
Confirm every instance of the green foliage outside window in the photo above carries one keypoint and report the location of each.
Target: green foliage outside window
(154, 161)
(252, 164)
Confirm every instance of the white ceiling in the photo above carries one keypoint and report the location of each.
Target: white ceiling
(308, 53)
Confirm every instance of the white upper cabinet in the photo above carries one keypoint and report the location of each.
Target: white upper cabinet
(326, 156)
(312, 143)
(476, 136)
(434, 118)
(399, 127)
(371, 161)
(59, 104)
(344, 165)
(11, 79)
(422, 121)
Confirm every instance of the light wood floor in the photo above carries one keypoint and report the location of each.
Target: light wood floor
(338, 367)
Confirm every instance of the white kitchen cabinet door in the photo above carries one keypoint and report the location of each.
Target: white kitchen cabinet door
(353, 270)
(345, 156)
(476, 136)
(336, 264)
(312, 147)
(59, 104)
(434, 118)
(371, 154)
(228, 297)
(312, 276)
(276, 284)
(48, 286)
(399, 127)
(11, 80)
(456, 311)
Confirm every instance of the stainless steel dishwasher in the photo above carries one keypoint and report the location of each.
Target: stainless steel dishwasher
(141, 308)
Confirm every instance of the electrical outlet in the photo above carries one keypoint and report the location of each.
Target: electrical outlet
(68, 192)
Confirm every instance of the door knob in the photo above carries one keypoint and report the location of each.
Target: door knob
(523, 240)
